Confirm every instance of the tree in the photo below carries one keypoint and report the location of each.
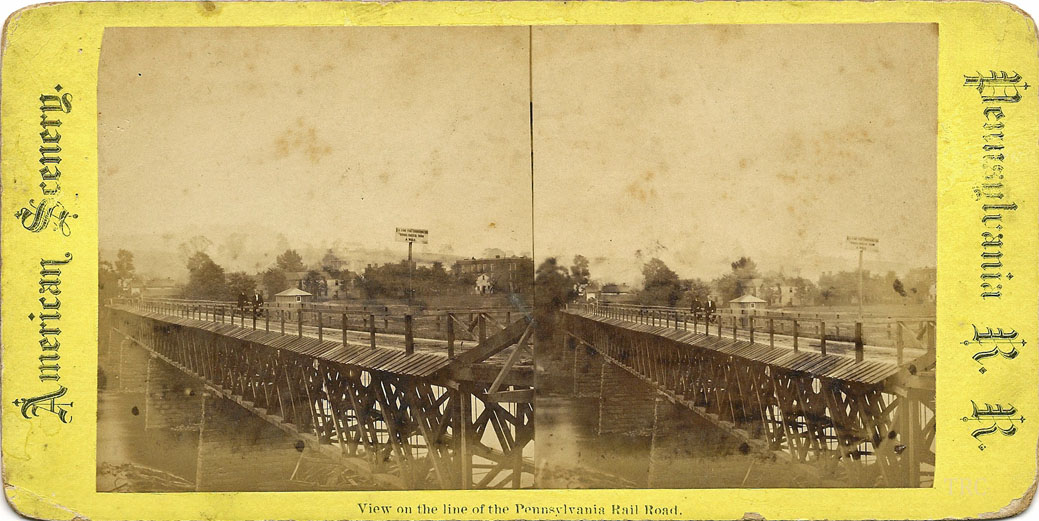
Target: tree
(553, 288)
(124, 268)
(274, 281)
(745, 271)
(107, 282)
(331, 263)
(661, 286)
(290, 261)
(694, 289)
(726, 287)
(206, 279)
(579, 270)
(314, 283)
(240, 283)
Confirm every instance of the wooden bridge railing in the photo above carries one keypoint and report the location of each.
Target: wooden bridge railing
(763, 327)
(454, 326)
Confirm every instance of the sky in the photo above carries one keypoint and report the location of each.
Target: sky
(701, 144)
(319, 134)
(695, 144)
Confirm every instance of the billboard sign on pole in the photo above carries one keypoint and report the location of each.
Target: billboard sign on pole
(412, 235)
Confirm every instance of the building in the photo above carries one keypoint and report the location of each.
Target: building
(155, 287)
(483, 284)
(327, 285)
(616, 294)
(506, 274)
(746, 303)
(293, 296)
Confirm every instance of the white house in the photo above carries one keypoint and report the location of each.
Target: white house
(293, 295)
(484, 285)
(746, 303)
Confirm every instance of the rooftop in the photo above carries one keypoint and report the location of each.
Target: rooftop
(293, 292)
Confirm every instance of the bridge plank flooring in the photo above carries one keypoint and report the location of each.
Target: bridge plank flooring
(834, 366)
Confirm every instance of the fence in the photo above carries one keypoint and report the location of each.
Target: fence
(790, 329)
(447, 325)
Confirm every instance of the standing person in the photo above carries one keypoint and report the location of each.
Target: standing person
(257, 303)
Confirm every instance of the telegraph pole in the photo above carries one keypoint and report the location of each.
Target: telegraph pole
(860, 282)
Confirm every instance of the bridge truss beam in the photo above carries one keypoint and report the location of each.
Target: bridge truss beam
(410, 432)
(884, 434)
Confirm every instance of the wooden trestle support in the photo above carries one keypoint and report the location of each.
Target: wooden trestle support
(411, 429)
(881, 427)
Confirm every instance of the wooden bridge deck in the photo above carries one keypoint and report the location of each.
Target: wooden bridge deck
(835, 366)
(429, 358)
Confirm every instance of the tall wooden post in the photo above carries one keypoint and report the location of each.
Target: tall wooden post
(795, 335)
(465, 421)
(299, 323)
(772, 333)
(450, 335)
(320, 328)
(859, 354)
(409, 337)
(371, 328)
(344, 328)
(822, 337)
(482, 325)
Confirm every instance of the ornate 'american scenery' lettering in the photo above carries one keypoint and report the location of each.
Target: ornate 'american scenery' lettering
(49, 316)
(49, 212)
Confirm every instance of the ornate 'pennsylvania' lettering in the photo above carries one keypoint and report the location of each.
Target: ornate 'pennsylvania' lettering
(1002, 88)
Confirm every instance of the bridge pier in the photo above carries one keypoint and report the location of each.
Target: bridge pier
(587, 373)
(171, 398)
(679, 438)
(626, 403)
(132, 368)
(234, 444)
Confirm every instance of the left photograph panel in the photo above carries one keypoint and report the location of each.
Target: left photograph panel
(315, 259)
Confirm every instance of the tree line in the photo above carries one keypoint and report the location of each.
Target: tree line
(662, 286)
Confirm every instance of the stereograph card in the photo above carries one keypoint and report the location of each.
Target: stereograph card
(520, 260)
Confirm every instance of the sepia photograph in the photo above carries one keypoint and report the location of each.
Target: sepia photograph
(315, 259)
(384, 258)
(736, 244)
(519, 260)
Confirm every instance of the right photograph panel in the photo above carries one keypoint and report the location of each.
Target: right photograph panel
(734, 230)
